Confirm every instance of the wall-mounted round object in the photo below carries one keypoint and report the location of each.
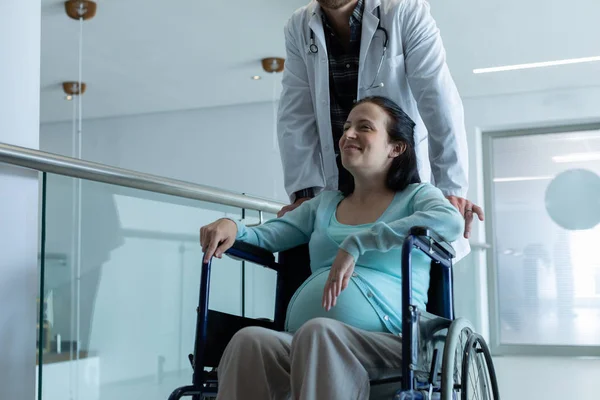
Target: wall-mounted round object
(273, 64)
(77, 9)
(72, 88)
(573, 199)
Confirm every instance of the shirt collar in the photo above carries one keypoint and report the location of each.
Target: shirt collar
(355, 18)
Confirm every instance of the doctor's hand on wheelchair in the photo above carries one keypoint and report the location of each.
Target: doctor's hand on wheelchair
(468, 210)
(217, 238)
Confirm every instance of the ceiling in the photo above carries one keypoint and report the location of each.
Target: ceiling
(143, 56)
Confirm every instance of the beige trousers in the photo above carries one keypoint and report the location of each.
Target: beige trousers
(325, 359)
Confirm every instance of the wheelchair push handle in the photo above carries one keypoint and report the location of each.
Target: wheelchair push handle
(434, 242)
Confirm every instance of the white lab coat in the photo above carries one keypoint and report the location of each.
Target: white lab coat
(414, 74)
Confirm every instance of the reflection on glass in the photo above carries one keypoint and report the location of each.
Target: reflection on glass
(465, 279)
(122, 306)
(548, 276)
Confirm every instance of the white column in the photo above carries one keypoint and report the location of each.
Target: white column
(19, 125)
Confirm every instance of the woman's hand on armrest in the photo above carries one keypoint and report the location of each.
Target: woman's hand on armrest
(217, 238)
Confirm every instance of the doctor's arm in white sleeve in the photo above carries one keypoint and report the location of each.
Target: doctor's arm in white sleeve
(437, 97)
(439, 105)
(296, 124)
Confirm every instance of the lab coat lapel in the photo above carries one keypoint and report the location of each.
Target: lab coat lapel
(369, 27)
(316, 25)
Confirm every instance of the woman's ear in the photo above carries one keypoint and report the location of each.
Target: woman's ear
(398, 149)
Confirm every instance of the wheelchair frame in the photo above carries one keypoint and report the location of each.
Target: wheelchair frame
(440, 304)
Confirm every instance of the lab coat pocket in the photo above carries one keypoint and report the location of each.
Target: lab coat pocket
(392, 72)
(387, 80)
(396, 62)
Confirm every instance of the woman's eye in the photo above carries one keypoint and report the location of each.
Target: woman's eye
(365, 127)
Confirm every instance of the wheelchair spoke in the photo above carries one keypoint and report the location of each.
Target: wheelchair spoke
(459, 352)
(478, 371)
(476, 386)
(464, 336)
(468, 371)
(483, 374)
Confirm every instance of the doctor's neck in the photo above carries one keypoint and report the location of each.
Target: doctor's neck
(338, 12)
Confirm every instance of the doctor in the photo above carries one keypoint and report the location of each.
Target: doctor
(342, 50)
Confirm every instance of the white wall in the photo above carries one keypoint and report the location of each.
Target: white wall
(524, 377)
(547, 378)
(232, 148)
(19, 125)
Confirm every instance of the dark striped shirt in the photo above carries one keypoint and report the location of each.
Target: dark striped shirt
(343, 83)
(343, 71)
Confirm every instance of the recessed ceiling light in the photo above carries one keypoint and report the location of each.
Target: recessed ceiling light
(256, 77)
(577, 157)
(536, 65)
(522, 179)
(68, 97)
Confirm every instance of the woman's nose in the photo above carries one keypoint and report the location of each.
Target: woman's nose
(350, 133)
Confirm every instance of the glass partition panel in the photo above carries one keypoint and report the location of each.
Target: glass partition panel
(543, 189)
(260, 282)
(121, 284)
(468, 281)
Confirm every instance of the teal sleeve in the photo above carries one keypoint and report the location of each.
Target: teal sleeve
(279, 234)
(430, 209)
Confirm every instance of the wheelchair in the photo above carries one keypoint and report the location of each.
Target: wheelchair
(443, 357)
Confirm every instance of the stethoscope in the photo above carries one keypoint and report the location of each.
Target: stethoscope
(314, 49)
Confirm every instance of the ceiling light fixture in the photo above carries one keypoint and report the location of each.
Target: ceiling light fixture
(522, 179)
(577, 157)
(72, 89)
(77, 9)
(536, 65)
(256, 77)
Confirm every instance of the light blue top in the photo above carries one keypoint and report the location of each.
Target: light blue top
(373, 298)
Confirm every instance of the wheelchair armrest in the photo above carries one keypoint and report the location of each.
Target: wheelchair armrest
(442, 253)
(254, 254)
(431, 242)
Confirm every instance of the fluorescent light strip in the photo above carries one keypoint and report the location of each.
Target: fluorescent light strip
(577, 157)
(522, 178)
(536, 65)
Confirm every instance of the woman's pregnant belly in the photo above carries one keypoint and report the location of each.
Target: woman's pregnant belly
(352, 306)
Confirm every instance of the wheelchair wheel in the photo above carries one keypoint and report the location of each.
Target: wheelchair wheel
(459, 333)
(478, 375)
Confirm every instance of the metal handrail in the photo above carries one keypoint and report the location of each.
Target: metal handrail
(75, 168)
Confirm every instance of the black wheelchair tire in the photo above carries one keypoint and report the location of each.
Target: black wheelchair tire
(476, 346)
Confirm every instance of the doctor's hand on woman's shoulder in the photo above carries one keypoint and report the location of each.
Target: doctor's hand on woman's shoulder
(217, 238)
(292, 206)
